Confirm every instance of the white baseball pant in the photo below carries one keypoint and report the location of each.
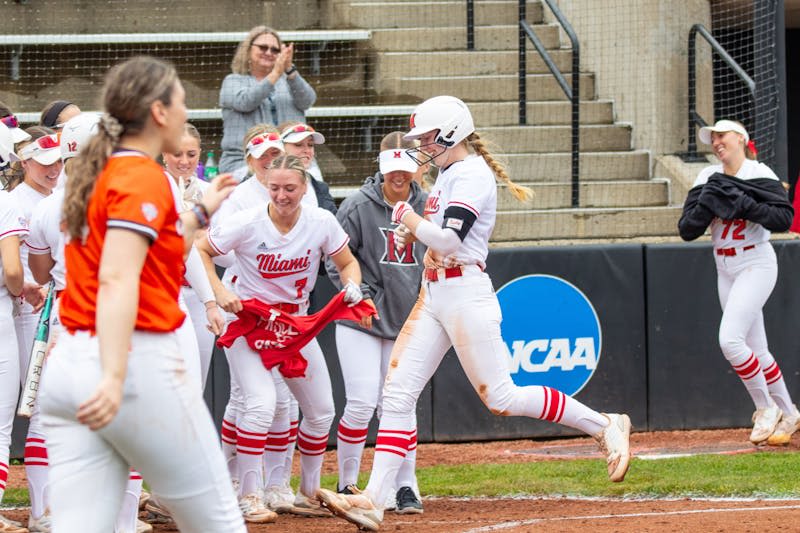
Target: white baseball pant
(163, 427)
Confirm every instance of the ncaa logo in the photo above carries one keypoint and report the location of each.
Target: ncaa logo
(552, 332)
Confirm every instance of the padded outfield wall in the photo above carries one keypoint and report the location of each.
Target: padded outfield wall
(652, 351)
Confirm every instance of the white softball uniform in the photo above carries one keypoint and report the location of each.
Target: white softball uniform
(12, 224)
(457, 306)
(46, 237)
(747, 271)
(26, 198)
(279, 269)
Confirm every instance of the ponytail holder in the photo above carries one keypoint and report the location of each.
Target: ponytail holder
(751, 145)
(112, 126)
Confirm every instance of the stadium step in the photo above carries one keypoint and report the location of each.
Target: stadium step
(544, 139)
(556, 167)
(467, 62)
(541, 87)
(627, 193)
(395, 14)
(541, 113)
(588, 223)
(455, 38)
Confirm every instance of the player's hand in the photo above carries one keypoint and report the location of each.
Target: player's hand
(101, 408)
(34, 295)
(403, 237)
(228, 301)
(352, 293)
(400, 210)
(221, 187)
(216, 322)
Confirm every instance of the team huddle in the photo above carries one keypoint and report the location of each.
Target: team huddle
(131, 250)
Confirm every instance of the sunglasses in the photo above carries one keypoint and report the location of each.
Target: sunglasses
(48, 142)
(10, 121)
(300, 128)
(264, 137)
(264, 48)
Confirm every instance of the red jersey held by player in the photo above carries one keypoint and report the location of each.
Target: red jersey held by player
(131, 192)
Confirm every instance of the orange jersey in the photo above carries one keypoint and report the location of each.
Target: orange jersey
(132, 192)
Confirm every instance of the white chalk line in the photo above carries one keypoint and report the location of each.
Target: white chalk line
(531, 521)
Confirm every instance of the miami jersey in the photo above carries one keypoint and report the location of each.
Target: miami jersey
(273, 267)
(46, 237)
(470, 186)
(12, 223)
(739, 232)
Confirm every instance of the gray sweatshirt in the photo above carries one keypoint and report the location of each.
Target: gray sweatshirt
(393, 277)
(246, 102)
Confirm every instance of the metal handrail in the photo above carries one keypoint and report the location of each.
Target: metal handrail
(694, 117)
(573, 93)
(470, 25)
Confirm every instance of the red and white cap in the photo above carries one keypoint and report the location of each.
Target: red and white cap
(7, 154)
(77, 132)
(722, 126)
(17, 134)
(396, 159)
(295, 134)
(259, 144)
(44, 150)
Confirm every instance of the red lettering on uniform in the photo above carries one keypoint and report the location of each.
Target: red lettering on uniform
(739, 226)
(432, 205)
(272, 266)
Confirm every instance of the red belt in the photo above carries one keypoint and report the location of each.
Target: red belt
(433, 274)
(287, 308)
(730, 252)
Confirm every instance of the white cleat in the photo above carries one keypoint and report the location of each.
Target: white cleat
(787, 427)
(11, 526)
(254, 510)
(614, 441)
(279, 499)
(305, 506)
(357, 509)
(765, 421)
(41, 524)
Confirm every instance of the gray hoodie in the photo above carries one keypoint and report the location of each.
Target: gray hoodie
(393, 277)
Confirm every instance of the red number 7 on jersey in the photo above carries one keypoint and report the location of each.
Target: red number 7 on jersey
(738, 228)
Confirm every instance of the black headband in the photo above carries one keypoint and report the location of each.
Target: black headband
(50, 119)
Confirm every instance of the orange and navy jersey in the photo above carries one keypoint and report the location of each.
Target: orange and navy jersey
(132, 192)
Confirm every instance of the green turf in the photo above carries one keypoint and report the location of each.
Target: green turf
(758, 475)
(763, 475)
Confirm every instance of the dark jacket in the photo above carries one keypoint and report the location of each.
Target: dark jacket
(324, 198)
(760, 200)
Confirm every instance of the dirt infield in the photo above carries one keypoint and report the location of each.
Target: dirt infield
(560, 514)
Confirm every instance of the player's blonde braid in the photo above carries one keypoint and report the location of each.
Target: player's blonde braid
(520, 192)
(129, 91)
(290, 162)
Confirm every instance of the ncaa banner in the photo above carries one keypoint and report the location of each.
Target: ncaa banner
(552, 333)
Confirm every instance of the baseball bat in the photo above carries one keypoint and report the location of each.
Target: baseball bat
(31, 388)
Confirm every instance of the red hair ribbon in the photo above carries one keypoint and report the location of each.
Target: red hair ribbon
(752, 146)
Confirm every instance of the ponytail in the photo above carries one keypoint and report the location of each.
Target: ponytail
(520, 192)
(83, 172)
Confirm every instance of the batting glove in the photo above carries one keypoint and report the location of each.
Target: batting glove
(352, 293)
(401, 235)
(399, 211)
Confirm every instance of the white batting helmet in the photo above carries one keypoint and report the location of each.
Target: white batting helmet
(76, 133)
(7, 154)
(447, 114)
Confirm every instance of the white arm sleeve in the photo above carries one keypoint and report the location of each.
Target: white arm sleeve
(443, 240)
(197, 278)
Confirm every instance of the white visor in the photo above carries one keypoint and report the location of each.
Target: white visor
(259, 145)
(396, 159)
(720, 127)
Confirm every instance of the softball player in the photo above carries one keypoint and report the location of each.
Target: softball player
(278, 249)
(742, 201)
(13, 229)
(103, 409)
(460, 216)
(393, 277)
(40, 160)
(197, 297)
